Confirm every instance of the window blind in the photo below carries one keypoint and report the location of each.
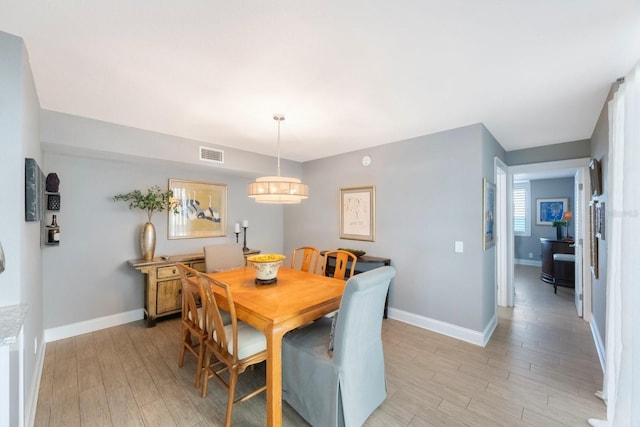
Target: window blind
(521, 208)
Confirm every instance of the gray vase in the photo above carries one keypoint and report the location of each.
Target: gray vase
(148, 241)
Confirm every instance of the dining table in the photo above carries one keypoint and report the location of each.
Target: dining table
(296, 299)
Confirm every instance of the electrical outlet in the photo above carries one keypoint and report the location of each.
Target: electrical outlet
(530, 254)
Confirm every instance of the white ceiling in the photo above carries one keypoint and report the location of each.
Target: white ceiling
(346, 74)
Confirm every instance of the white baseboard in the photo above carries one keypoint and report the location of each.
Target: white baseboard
(597, 339)
(444, 328)
(74, 329)
(531, 262)
(32, 398)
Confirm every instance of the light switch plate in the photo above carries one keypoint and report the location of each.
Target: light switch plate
(459, 247)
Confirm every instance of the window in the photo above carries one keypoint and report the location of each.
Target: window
(521, 208)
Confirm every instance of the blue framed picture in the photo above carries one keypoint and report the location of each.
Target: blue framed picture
(549, 210)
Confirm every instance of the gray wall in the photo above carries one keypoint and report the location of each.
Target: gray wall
(549, 153)
(543, 189)
(600, 151)
(21, 282)
(428, 194)
(98, 235)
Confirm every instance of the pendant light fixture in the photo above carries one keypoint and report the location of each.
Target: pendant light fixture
(278, 189)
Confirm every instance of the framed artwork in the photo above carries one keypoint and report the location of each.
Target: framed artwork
(549, 210)
(593, 240)
(488, 214)
(34, 183)
(358, 213)
(600, 220)
(202, 210)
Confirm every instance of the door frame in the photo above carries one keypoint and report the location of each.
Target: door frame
(572, 165)
(503, 213)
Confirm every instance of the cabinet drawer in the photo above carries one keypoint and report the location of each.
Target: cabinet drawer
(199, 266)
(167, 272)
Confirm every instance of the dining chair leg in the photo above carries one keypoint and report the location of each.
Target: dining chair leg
(233, 379)
(205, 371)
(182, 347)
(201, 351)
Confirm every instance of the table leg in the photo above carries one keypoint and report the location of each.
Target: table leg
(274, 376)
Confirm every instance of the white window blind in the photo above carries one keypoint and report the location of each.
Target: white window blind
(521, 208)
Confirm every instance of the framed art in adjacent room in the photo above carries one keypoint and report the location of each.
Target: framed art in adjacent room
(549, 210)
(357, 213)
(488, 214)
(202, 210)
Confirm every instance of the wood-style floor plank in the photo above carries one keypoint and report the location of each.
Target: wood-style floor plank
(540, 368)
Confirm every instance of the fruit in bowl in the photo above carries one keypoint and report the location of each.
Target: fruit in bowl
(266, 266)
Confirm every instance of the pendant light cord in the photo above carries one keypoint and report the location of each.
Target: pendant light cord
(279, 118)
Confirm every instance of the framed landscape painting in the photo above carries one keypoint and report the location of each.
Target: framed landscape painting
(202, 210)
(549, 210)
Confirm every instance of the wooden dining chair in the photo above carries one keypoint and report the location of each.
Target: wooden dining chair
(305, 258)
(236, 346)
(194, 331)
(342, 260)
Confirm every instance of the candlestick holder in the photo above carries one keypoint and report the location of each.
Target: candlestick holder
(244, 247)
(237, 234)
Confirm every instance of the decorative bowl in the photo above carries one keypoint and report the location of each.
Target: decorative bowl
(266, 266)
(356, 252)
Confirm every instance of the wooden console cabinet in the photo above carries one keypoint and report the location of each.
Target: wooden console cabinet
(162, 286)
(550, 247)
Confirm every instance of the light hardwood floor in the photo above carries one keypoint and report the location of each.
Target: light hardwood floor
(539, 369)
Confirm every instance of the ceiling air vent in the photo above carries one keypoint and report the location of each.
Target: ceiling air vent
(211, 155)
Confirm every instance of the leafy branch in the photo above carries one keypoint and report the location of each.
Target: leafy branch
(155, 200)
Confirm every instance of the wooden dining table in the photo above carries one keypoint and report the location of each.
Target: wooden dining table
(296, 299)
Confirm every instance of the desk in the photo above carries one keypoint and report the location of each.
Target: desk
(549, 248)
(295, 300)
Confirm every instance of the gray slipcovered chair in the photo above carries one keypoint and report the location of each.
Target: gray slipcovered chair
(223, 257)
(343, 387)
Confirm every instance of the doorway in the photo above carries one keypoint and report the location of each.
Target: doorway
(578, 168)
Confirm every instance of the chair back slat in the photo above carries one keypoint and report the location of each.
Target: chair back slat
(309, 258)
(191, 295)
(218, 333)
(342, 262)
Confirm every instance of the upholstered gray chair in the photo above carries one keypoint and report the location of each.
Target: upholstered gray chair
(343, 387)
(223, 257)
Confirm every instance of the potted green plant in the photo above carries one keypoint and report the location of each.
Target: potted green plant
(558, 226)
(154, 200)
